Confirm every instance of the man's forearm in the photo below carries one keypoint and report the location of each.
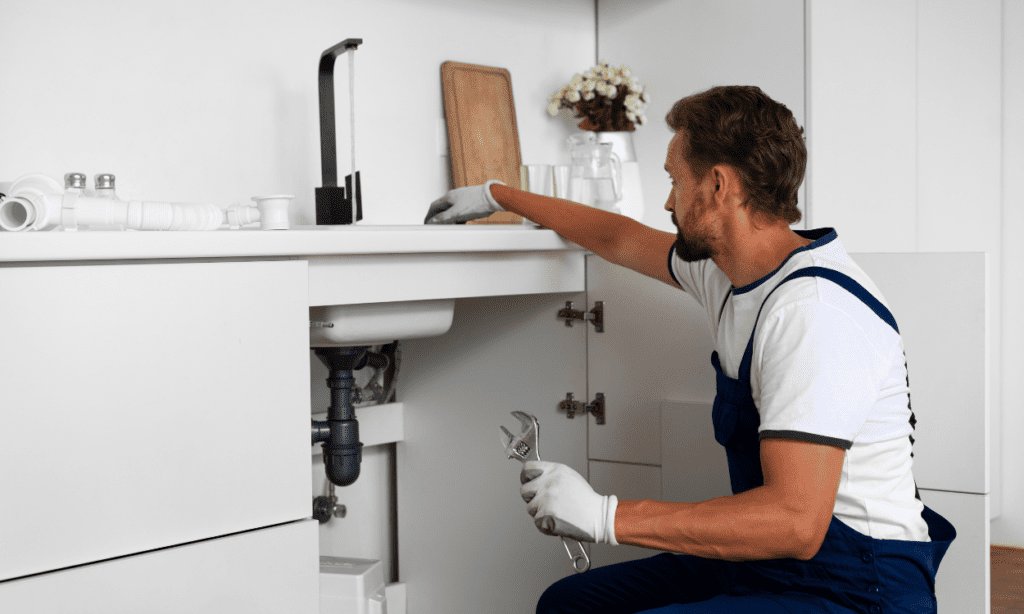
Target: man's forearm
(596, 230)
(750, 526)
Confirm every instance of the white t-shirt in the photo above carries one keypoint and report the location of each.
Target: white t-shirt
(825, 368)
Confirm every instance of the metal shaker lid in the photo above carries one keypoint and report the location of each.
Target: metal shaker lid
(104, 181)
(74, 180)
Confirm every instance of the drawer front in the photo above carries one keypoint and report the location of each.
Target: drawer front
(144, 406)
(271, 570)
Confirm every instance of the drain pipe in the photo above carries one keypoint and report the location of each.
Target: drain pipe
(340, 432)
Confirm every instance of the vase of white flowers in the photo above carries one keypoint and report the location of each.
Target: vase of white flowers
(607, 99)
(611, 102)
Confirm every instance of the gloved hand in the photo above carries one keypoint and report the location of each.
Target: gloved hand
(563, 503)
(463, 204)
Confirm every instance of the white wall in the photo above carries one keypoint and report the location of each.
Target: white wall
(216, 100)
(681, 47)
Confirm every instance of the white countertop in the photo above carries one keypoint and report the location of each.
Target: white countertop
(298, 241)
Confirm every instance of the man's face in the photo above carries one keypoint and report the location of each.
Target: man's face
(689, 205)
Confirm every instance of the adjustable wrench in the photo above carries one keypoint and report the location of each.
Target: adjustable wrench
(524, 447)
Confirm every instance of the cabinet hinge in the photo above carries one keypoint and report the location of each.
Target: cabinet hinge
(572, 406)
(595, 315)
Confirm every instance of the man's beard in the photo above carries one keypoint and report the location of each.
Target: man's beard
(693, 248)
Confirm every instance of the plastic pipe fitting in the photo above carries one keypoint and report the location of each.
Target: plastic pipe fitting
(34, 203)
(273, 211)
(270, 211)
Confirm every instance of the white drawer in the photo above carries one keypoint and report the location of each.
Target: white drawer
(272, 570)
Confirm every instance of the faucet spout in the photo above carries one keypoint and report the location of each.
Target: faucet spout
(335, 204)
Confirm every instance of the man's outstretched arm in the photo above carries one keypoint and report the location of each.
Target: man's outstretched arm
(616, 238)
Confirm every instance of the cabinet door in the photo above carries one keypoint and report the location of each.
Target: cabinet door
(466, 543)
(267, 571)
(149, 405)
(656, 345)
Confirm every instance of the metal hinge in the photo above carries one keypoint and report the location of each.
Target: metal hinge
(595, 315)
(572, 406)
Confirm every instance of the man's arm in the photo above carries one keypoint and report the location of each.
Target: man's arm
(616, 238)
(786, 518)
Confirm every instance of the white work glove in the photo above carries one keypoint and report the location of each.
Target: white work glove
(563, 503)
(463, 204)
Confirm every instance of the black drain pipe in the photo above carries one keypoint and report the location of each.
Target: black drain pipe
(343, 451)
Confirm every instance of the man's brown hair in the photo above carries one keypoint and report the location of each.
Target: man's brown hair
(741, 126)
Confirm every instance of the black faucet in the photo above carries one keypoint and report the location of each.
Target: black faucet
(334, 204)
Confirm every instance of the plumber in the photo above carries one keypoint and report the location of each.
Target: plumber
(812, 404)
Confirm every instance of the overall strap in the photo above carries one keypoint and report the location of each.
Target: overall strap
(844, 281)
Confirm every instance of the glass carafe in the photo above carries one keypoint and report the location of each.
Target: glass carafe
(595, 176)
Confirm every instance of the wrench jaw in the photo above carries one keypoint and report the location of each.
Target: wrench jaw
(522, 447)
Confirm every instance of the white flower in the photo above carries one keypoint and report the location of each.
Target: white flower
(616, 80)
(589, 85)
(573, 96)
(610, 91)
(553, 109)
(625, 72)
(589, 96)
(629, 115)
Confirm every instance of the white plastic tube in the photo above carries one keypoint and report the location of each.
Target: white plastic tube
(37, 202)
(33, 203)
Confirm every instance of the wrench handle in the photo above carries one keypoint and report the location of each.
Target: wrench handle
(580, 560)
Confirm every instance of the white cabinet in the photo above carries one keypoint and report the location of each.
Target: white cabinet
(147, 406)
(258, 572)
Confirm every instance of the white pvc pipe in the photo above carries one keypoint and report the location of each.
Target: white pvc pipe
(37, 202)
(32, 204)
(16, 213)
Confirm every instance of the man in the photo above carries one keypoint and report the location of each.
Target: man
(812, 404)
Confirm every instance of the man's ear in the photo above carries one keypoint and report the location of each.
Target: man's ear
(727, 182)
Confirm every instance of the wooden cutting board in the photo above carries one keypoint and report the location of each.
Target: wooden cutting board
(482, 133)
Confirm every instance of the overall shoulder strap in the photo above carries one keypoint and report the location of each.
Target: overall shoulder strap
(840, 279)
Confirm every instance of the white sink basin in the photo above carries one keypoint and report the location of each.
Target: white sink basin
(379, 323)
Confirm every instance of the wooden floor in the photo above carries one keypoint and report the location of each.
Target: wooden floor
(1007, 580)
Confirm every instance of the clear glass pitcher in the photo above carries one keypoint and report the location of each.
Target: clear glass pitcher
(595, 176)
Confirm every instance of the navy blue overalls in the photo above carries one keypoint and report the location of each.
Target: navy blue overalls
(850, 573)
(864, 574)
